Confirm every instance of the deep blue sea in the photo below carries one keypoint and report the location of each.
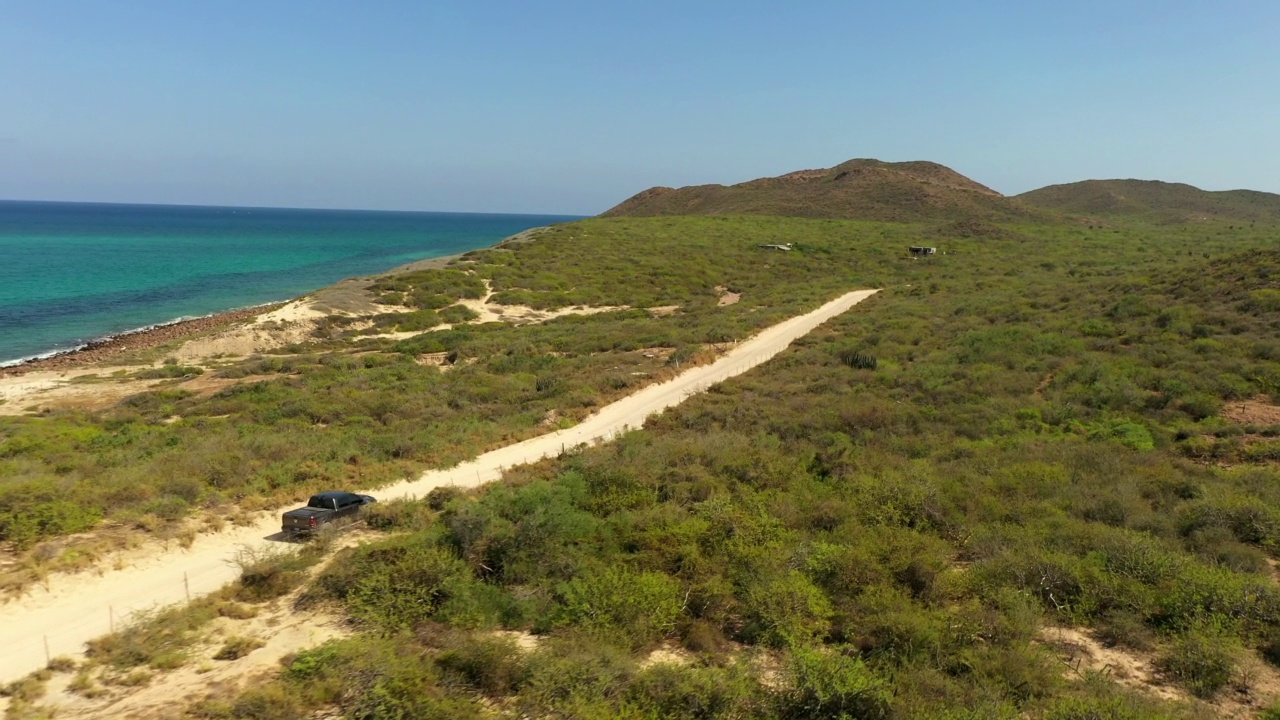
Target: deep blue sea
(75, 272)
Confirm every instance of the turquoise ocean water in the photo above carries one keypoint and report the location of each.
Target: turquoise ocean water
(75, 272)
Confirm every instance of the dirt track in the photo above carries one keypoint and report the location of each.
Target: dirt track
(58, 618)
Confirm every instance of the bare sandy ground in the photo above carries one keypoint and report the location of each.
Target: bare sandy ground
(1255, 688)
(287, 325)
(58, 388)
(58, 617)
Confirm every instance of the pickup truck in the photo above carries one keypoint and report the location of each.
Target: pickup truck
(321, 510)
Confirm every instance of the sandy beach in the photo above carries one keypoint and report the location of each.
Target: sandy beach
(73, 379)
(107, 349)
(345, 297)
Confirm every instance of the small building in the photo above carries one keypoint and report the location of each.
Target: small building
(783, 246)
(919, 251)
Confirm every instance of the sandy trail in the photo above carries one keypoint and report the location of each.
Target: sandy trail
(59, 617)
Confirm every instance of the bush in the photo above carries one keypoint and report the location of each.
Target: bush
(169, 371)
(159, 639)
(1203, 661)
(268, 573)
(857, 359)
(408, 584)
(439, 497)
(698, 693)
(416, 321)
(1105, 709)
(26, 526)
(786, 611)
(457, 314)
(827, 685)
(493, 666)
(237, 647)
(571, 673)
(639, 608)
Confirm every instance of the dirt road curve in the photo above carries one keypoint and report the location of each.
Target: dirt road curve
(72, 609)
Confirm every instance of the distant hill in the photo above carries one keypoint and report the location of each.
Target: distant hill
(1154, 200)
(859, 189)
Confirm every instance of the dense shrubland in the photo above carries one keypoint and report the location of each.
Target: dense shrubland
(356, 411)
(878, 523)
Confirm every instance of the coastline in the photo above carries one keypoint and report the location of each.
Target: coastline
(342, 296)
(151, 336)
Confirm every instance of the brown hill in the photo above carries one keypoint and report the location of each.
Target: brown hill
(861, 189)
(1155, 201)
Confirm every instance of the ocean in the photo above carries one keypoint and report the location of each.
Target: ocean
(71, 273)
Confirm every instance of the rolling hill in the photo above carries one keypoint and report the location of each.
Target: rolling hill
(1155, 201)
(857, 189)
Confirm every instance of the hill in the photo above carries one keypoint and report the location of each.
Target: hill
(857, 189)
(1155, 201)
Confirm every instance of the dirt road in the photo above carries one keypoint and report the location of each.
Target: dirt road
(58, 618)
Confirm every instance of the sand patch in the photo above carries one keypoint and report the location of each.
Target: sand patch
(293, 323)
(487, 311)
(528, 642)
(727, 298)
(61, 389)
(1256, 686)
(208, 384)
(1081, 652)
(1258, 411)
(668, 655)
(523, 314)
(281, 630)
(279, 627)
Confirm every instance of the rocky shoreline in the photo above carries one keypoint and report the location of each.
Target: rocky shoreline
(111, 347)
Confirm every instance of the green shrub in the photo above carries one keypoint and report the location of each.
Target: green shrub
(237, 647)
(440, 497)
(169, 371)
(1266, 300)
(417, 320)
(494, 666)
(698, 693)
(407, 687)
(787, 610)
(28, 525)
(159, 639)
(1203, 661)
(639, 608)
(828, 685)
(857, 359)
(456, 314)
(266, 574)
(407, 586)
(1132, 435)
(572, 675)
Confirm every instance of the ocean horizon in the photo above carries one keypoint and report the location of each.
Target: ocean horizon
(73, 273)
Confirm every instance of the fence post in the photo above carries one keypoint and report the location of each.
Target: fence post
(111, 618)
(186, 585)
(48, 659)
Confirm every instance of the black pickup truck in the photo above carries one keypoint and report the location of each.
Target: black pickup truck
(321, 510)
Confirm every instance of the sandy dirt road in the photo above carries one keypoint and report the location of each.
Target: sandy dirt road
(58, 617)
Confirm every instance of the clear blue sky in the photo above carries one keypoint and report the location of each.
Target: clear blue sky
(569, 107)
